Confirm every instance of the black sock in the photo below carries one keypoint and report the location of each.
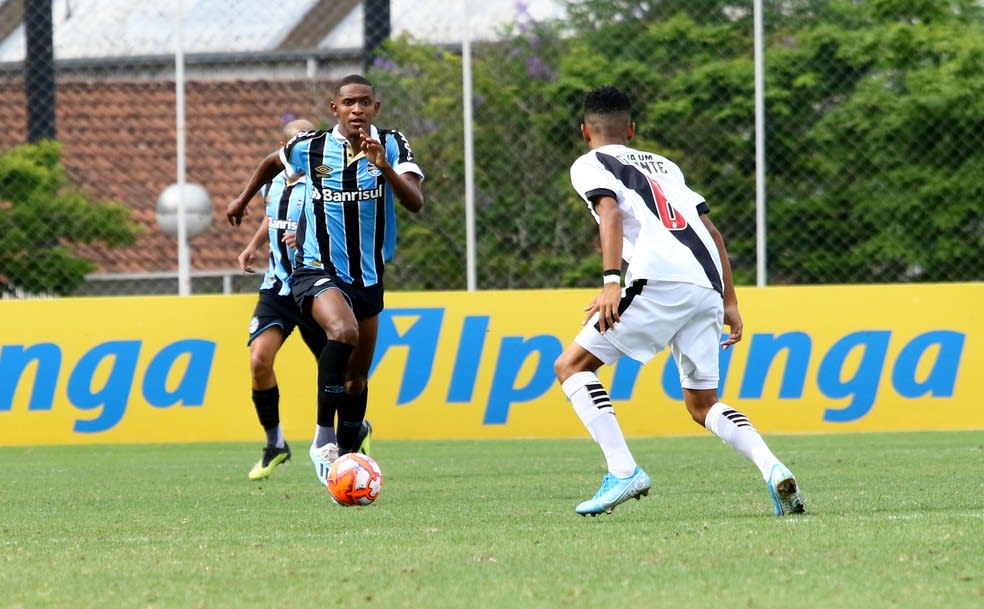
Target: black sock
(267, 404)
(351, 413)
(331, 380)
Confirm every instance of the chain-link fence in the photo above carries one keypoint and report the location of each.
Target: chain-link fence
(872, 128)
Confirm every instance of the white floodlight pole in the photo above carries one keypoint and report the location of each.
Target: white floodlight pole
(466, 82)
(184, 257)
(760, 235)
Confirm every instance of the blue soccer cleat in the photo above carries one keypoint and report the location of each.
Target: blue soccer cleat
(784, 491)
(614, 491)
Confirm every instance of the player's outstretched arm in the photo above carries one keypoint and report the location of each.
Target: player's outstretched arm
(268, 169)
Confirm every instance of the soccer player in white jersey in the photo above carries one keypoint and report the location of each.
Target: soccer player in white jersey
(678, 294)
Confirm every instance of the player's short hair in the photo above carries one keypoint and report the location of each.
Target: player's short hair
(294, 127)
(352, 79)
(607, 110)
(607, 100)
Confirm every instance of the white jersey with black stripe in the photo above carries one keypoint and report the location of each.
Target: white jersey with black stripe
(664, 237)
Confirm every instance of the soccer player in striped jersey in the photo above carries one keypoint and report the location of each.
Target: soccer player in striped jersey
(276, 313)
(345, 235)
(678, 293)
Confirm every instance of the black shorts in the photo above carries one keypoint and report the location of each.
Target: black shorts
(307, 283)
(273, 310)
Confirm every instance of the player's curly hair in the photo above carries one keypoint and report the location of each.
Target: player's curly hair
(607, 100)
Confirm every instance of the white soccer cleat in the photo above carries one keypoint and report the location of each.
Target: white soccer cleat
(323, 457)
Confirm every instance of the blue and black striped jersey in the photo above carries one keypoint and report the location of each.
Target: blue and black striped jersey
(348, 223)
(284, 199)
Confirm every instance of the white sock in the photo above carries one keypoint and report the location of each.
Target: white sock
(737, 432)
(275, 436)
(323, 435)
(593, 406)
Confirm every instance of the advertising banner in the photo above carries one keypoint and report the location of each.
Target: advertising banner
(480, 365)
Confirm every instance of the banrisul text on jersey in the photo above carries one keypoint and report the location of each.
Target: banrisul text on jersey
(329, 195)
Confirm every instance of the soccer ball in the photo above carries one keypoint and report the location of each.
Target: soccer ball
(354, 479)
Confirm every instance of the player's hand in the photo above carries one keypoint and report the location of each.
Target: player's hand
(235, 211)
(373, 149)
(245, 260)
(290, 238)
(606, 305)
(732, 319)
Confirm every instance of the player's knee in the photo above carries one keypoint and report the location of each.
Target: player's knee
(261, 362)
(572, 361)
(562, 367)
(342, 331)
(355, 385)
(698, 415)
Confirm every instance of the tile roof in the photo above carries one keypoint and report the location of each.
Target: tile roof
(119, 144)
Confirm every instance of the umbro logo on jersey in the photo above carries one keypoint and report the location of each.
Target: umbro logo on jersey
(322, 171)
(373, 170)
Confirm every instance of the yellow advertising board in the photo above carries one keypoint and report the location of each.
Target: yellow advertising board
(480, 365)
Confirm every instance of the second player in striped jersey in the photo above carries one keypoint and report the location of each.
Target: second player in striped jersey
(276, 313)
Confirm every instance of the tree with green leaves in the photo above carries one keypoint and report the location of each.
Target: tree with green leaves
(42, 215)
(877, 126)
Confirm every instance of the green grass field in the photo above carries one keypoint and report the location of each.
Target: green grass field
(894, 520)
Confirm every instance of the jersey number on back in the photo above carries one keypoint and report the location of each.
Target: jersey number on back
(663, 210)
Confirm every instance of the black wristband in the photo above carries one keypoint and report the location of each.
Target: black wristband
(615, 272)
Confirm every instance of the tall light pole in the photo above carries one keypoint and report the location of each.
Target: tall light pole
(469, 143)
(761, 269)
(184, 253)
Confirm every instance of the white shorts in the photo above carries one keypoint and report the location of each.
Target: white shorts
(686, 317)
